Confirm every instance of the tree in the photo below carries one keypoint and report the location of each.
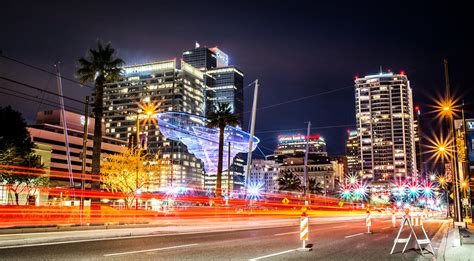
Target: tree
(128, 173)
(20, 169)
(315, 187)
(220, 118)
(289, 182)
(100, 66)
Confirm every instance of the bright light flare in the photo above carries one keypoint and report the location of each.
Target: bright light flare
(414, 189)
(446, 107)
(149, 110)
(255, 191)
(440, 148)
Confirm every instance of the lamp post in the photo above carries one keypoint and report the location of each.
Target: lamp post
(149, 111)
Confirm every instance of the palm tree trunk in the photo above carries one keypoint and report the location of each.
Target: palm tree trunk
(219, 163)
(98, 114)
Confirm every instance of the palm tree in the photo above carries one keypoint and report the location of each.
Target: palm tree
(220, 118)
(289, 182)
(100, 66)
(315, 187)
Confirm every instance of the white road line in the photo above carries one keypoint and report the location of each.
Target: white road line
(149, 250)
(354, 235)
(340, 226)
(385, 228)
(287, 233)
(276, 254)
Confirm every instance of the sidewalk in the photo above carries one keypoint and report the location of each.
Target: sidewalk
(466, 250)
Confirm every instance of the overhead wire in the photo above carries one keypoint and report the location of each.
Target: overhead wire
(40, 89)
(44, 70)
(34, 100)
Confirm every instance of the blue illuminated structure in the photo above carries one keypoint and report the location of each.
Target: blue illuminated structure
(202, 141)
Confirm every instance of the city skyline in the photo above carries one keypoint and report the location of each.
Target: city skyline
(309, 69)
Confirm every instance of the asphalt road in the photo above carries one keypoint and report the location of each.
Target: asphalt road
(341, 240)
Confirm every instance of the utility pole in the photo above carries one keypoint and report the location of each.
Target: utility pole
(454, 163)
(138, 159)
(84, 154)
(66, 136)
(305, 188)
(228, 172)
(252, 131)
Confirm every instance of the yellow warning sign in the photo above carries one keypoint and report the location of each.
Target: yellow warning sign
(340, 204)
(285, 201)
(451, 195)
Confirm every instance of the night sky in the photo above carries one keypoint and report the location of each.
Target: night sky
(295, 49)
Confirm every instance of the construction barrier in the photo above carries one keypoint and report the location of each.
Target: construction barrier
(368, 221)
(411, 222)
(304, 226)
(394, 218)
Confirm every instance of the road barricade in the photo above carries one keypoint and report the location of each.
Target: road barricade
(368, 222)
(411, 222)
(304, 227)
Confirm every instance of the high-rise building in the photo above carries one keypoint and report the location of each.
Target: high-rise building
(352, 152)
(202, 58)
(384, 114)
(224, 85)
(227, 85)
(295, 144)
(418, 139)
(168, 88)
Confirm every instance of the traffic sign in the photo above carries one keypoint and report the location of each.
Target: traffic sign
(285, 201)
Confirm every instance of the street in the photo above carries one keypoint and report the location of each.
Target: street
(339, 240)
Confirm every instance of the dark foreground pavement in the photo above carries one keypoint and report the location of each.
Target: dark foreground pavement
(341, 240)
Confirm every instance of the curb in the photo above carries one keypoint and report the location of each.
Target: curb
(443, 234)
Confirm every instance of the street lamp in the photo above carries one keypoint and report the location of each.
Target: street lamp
(147, 109)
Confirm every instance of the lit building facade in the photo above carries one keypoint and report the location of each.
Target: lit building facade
(201, 58)
(295, 144)
(418, 140)
(227, 86)
(48, 133)
(319, 168)
(385, 125)
(264, 175)
(352, 152)
(465, 153)
(224, 85)
(169, 88)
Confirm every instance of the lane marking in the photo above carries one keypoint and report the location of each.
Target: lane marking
(287, 233)
(340, 226)
(358, 234)
(385, 228)
(276, 254)
(149, 250)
